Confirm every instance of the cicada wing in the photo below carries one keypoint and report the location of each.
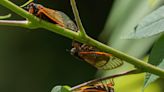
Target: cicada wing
(53, 15)
(68, 22)
(99, 86)
(113, 63)
(60, 18)
(101, 60)
(93, 58)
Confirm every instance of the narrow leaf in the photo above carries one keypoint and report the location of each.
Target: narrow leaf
(61, 89)
(151, 77)
(5, 16)
(157, 53)
(150, 25)
(156, 58)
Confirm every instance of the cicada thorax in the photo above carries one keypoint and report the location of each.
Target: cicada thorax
(53, 16)
(101, 86)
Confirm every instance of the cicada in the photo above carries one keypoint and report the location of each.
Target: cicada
(93, 56)
(99, 86)
(53, 16)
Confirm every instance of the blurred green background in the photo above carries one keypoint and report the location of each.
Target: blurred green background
(38, 60)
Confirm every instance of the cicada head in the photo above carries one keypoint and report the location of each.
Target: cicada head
(76, 47)
(32, 8)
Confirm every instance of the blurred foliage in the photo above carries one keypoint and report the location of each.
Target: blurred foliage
(150, 25)
(122, 20)
(134, 83)
(157, 59)
(61, 89)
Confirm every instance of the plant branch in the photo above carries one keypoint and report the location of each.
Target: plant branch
(22, 23)
(35, 22)
(105, 78)
(77, 18)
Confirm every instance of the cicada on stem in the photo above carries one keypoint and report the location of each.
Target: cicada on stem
(53, 16)
(93, 56)
(105, 84)
(99, 86)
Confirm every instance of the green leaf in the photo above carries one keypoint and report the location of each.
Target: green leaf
(61, 89)
(5, 16)
(157, 53)
(156, 58)
(151, 77)
(150, 25)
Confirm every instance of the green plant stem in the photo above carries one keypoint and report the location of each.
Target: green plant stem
(77, 18)
(60, 30)
(34, 22)
(22, 23)
(104, 78)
